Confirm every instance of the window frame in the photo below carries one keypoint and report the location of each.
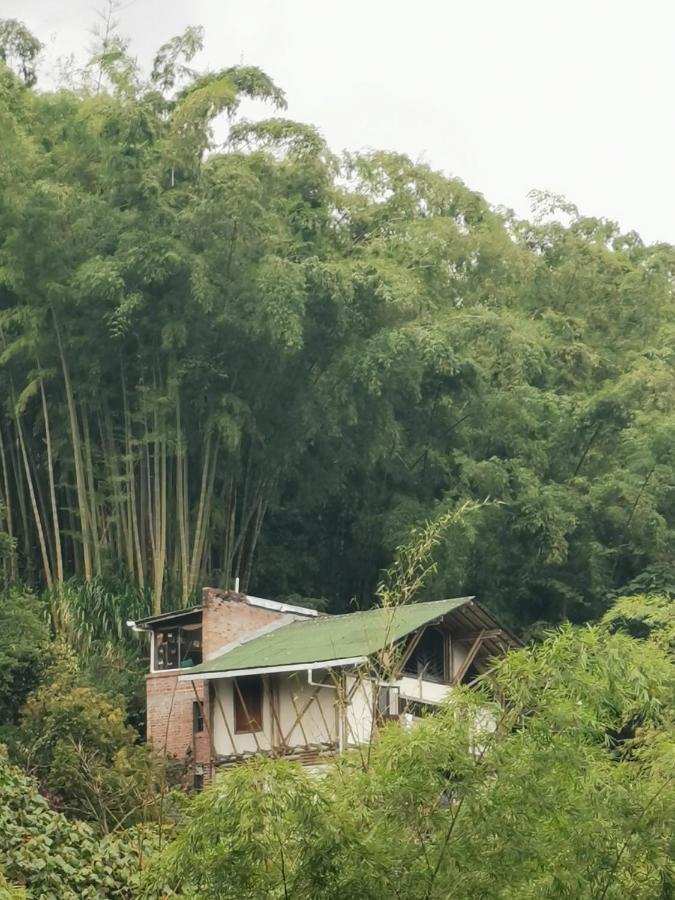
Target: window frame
(445, 677)
(240, 704)
(182, 628)
(198, 717)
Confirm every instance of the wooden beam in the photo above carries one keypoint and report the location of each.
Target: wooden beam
(471, 655)
(225, 723)
(408, 653)
(485, 634)
(299, 715)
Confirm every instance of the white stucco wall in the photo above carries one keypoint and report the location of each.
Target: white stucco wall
(243, 743)
(293, 694)
(319, 721)
(359, 711)
(412, 688)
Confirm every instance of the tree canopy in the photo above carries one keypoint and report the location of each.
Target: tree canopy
(258, 359)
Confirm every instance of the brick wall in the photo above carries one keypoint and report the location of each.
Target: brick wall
(170, 717)
(226, 617)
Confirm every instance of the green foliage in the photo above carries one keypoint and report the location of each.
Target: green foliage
(262, 360)
(47, 856)
(19, 49)
(87, 613)
(25, 650)
(77, 742)
(648, 616)
(554, 780)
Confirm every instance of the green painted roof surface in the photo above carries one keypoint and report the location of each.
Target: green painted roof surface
(331, 637)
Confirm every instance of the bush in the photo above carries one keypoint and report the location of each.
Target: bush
(51, 857)
(25, 650)
(76, 741)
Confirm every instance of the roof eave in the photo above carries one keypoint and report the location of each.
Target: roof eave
(272, 670)
(147, 622)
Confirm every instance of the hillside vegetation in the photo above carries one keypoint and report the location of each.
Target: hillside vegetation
(260, 359)
(228, 352)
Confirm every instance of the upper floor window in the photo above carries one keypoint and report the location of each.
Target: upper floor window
(179, 647)
(429, 658)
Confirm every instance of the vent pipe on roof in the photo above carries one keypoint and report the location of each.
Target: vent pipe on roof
(236, 585)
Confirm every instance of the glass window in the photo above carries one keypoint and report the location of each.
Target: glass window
(179, 647)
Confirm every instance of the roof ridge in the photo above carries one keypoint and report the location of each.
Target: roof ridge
(360, 612)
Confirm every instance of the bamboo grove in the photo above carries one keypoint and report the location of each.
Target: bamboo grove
(227, 352)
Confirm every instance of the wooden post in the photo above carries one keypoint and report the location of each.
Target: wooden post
(471, 655)
(227, 727)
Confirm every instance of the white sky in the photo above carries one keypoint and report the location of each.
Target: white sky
(572, 96)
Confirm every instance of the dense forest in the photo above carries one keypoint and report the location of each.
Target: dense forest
(228, 352)
(259, 359)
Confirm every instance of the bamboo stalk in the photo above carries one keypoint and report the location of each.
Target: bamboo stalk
(196, 559)
(77, 457)
(132, 506)
(91, 493)
(181, 505)
(36, 512)
(52, 490)
(17, 469)
(8, 508)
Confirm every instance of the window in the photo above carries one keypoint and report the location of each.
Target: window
(387, 703)
(429, 656)
(179, 647)
(248, 694)
(197, 717)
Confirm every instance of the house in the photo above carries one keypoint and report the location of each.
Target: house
(239, 675)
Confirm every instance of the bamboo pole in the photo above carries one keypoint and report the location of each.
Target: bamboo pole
(181, 505)
(77, 457)
(36, 512)
(8, 508)
(91, 493)
(132, 506)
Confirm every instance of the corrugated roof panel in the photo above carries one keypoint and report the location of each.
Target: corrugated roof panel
(331, 637)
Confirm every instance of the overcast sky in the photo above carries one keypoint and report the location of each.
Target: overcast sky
(572, 96)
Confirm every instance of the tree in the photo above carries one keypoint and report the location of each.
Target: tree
(258, 359)
(19, 49)
(76, 741)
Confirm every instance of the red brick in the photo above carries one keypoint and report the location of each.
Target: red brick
(226, 617)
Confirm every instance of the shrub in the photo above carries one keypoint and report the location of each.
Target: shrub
(88, 761)
(52, 857)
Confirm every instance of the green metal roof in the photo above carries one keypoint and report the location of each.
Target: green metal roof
(328, 638)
